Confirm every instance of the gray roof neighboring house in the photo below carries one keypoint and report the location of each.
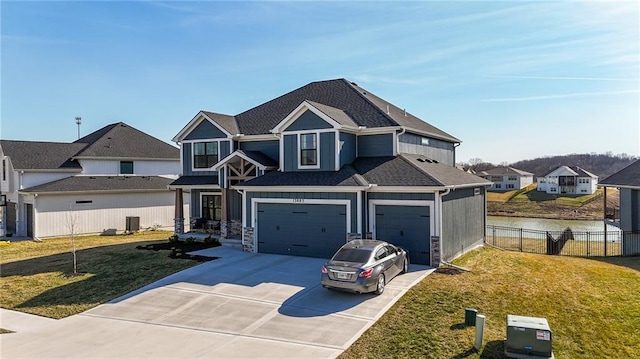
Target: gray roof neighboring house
(340, 99)
(119, 140)
(400, 171)
(103, 184)
(506, 171)
(32, 155)
(571, 171)
(628, 177)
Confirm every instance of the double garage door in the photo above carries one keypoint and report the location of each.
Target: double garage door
(407, 227)
(311, 230)
(318, 230)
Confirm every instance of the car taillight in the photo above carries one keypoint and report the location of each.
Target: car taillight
(324, 270)
(366, 273)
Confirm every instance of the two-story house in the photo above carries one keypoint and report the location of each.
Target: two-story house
(329, 161)
(568, 180)
(506, 178)
(112, 180)
(627, 181)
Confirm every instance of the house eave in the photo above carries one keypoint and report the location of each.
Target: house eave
(38, 193)
(300, 188)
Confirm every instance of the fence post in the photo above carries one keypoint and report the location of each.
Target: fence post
(520, 239)
(588, 251)
(494, 234)
(605, 243)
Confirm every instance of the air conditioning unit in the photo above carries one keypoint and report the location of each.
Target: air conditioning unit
(528, 337)
(132, 224)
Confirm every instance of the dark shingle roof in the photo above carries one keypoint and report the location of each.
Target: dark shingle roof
(626, 177)
(446, 175)
(196, 181)
(28, 155)
(260, 157)
(403, 170)
(357, 104)
(392, 171)
(347, 176)
(225, 121)
(120, 140)
(103, 184)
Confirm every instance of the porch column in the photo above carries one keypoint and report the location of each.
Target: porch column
(179, 214)
(224, 224)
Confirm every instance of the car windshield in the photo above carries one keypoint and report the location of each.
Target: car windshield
(354, 255)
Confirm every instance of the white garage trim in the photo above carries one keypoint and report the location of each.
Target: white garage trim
(404, 203)
(256, 201)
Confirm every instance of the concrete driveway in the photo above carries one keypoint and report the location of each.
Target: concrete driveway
(240, 305)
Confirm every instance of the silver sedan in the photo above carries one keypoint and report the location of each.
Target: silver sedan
(364, 266)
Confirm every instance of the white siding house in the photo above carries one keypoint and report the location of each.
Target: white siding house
(507, 178)
(568, 180)
(93, 184)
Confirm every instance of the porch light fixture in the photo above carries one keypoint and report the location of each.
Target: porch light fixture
(3, 200)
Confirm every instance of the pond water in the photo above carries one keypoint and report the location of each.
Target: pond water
(541, 224)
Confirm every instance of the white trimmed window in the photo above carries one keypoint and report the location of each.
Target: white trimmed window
(205, 154)
(308, 150)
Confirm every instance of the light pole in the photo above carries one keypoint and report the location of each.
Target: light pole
(78, 121)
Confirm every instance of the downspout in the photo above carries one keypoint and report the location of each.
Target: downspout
(365, 208)
(244, 214)
(446, 192)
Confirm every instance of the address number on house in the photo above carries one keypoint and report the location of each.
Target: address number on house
(298, 200)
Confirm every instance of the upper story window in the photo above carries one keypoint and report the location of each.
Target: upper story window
(308, 150)
(513, 178)
(126, 167)
(205, 154)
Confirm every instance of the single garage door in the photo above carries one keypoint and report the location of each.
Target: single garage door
(407, 227)
(310, 230)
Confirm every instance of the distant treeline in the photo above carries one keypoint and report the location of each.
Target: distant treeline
(602, 165)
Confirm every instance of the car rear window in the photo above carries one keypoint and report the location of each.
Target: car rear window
(352, 255)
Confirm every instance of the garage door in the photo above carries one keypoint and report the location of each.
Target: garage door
(311, 230)
(407, 227)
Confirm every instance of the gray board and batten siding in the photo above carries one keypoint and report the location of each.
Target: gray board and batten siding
(347, 148)
(187, 159)
(441, 151)
(308, 121)
(376, 145)
(205, 131)
(270, 148)
(326, 151)
(463, 221)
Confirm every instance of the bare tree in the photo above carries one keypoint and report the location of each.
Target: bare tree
(72, 226)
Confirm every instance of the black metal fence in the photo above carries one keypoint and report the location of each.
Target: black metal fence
(566, 243)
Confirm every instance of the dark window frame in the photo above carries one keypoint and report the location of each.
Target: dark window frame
(125, 169)
(209, 154)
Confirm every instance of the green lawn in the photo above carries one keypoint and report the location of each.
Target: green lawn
(35, 277)
(593, 308)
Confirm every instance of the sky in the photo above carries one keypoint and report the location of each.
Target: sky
(513, 80)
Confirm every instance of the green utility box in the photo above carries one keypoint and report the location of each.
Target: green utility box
(528, 337)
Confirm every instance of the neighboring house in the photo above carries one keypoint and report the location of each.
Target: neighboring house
(568, 180)
(507, 178)
(627, 180)
(304, 172)
(96, 184)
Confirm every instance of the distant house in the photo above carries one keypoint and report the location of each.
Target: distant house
(111, 178)
(507, 178)
(627, 180)
(568, 180)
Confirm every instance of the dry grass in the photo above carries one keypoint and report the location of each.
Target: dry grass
(36, 277)
(593, 308)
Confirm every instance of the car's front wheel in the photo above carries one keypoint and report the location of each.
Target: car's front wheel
(405, 265)
(380, 285)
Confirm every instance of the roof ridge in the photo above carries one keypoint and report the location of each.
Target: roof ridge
(369, 102)
(402, 155)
